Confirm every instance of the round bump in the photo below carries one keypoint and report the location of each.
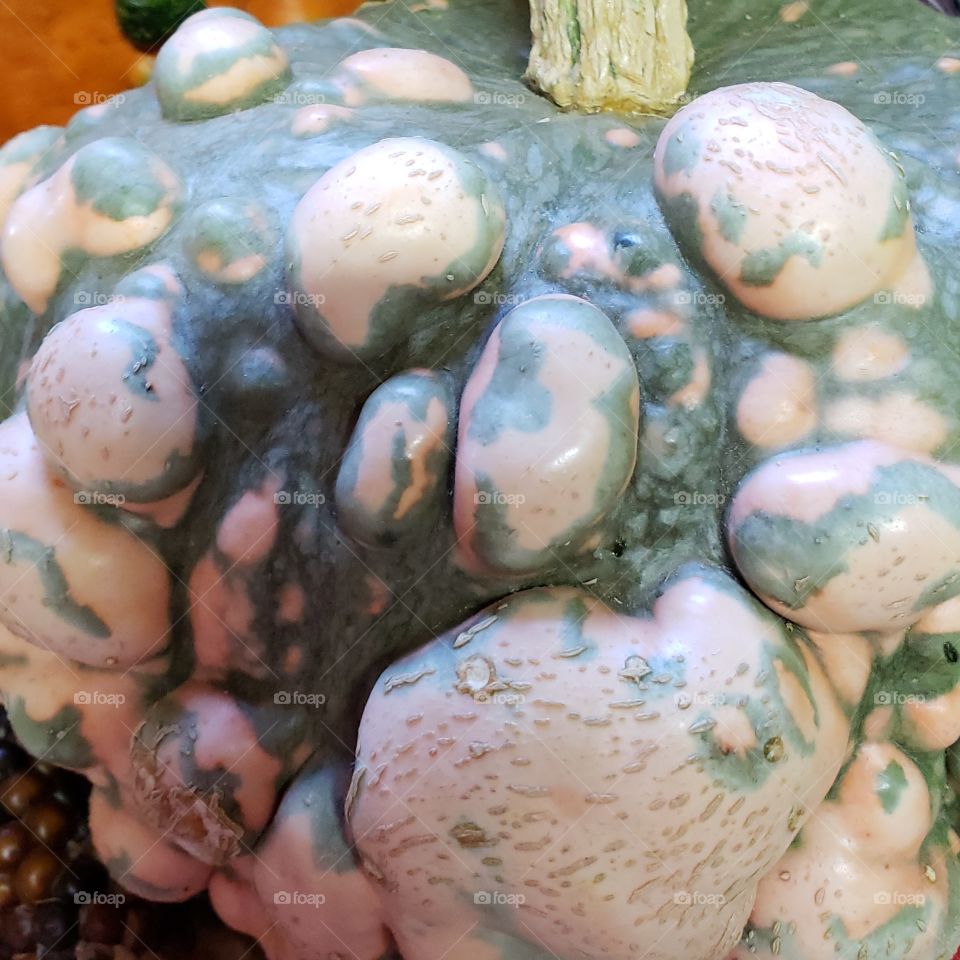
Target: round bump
(398, 224)
(305, 850)
(311, 121)
(699, 721)
(395, 73)
(60, 566)
(73, 717)
(857, 881)
(393, 475)
(178, 756)
(228, 240)
(18, 159)
(869, 353)
(792, 202)
(111, 197)
(898, 418)
(854, 538)
(778, 407)
(547, 437)
(219, 60)
(112, 403)
(139, 858)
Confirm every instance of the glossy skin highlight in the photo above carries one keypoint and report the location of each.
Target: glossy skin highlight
(798, 209)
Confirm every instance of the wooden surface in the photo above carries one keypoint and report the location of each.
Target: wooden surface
(58, 56)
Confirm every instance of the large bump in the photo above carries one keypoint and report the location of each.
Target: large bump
(207, 769)
(113, 196)
(632, 767)
(790, 199)
(18, 159)
(395, 73)
(856, 537)
(113, 405)
(305, 850)
(393, 475)
(547, 436)
(396, 226)
(218, 61)
(140, 858)
(60, 567)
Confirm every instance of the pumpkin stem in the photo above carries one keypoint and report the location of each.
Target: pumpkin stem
(624, 55)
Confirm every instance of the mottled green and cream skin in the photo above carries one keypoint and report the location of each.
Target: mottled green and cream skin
(860, 537)
(394, 227)
(547, 437)
(112, 404)
(789, 199)
(337, 353)
(220, 60)
(609, 771)
(394, 470)
(112, 197)
(61, 564)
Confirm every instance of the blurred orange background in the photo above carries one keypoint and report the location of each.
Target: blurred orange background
(56, 57)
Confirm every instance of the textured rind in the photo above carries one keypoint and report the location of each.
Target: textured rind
(274, 603)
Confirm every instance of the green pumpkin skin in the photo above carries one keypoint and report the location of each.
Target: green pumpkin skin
(293, 503)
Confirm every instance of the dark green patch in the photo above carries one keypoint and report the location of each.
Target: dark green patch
(891, 782)
(115, 175)
(731, 216)
(58, 740)
(18, 548)
(762, 267)
(792, 561)
(682, 151)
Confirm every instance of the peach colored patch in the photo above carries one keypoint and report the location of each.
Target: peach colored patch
(248, 531)
(845, 68)
(792, 12)
(622, 137)
(644, 324)
(869, 353)
(778, 406)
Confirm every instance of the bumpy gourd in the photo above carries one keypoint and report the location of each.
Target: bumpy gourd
(443, 526)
